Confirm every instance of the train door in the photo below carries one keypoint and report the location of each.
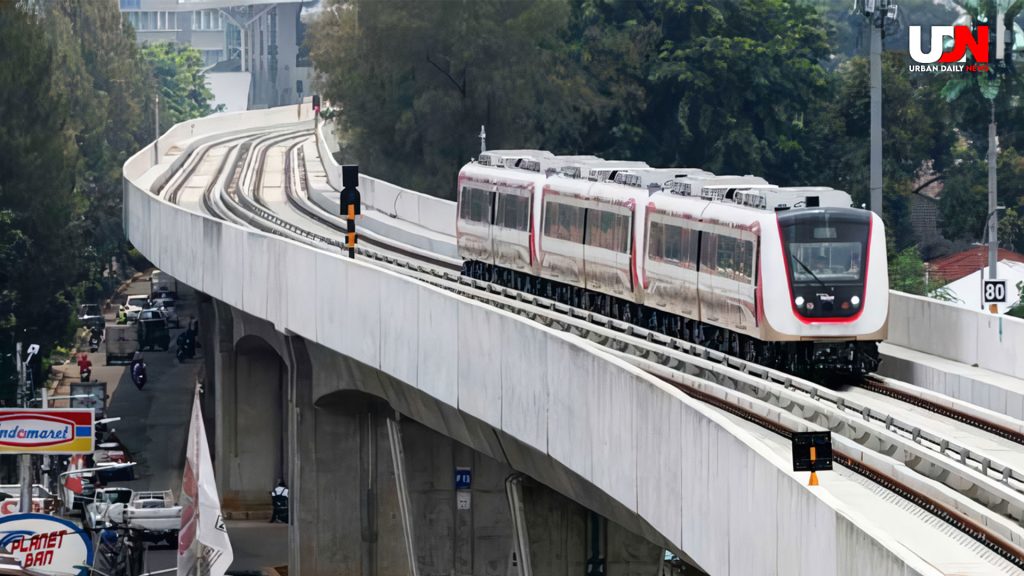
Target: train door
(563, 225)
(476, 213)
(510, 230)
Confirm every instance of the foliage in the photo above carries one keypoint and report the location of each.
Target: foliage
(416, 80)
(182, 84)
(37, 185)
(76, 99)
(1018, 309)
(906, 274)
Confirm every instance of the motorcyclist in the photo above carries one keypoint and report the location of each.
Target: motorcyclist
(186, 345)
(95, 337)
(122, 315)
(279, 500)
(137, 369)
(84, 367)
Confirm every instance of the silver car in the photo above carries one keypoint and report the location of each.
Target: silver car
(169, 307)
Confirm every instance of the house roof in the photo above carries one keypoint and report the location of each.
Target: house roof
(956, 266)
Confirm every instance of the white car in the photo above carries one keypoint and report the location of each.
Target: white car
(96, 512)
(135, 304)
(169, 307)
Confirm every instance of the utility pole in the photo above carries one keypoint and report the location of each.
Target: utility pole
(156, 129)
(876, 115)
(879, 14)
(993, 225)
(24, 460)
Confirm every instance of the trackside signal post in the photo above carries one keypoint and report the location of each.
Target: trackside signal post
(812, 451)
(350, 204)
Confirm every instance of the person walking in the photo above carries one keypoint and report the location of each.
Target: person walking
(279, 500)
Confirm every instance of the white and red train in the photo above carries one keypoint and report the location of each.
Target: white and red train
(793, 278)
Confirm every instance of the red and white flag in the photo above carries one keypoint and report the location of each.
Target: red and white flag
(73, 482)
(203, 544)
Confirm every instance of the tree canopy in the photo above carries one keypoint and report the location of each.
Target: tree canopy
(776, 88)
(76, 98)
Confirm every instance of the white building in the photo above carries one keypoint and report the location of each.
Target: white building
(261, 39)
(967, 290)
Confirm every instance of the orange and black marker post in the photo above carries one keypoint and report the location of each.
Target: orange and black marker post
(350, 204)
(812, 451)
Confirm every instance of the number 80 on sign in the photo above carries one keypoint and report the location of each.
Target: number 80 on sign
(994, 291)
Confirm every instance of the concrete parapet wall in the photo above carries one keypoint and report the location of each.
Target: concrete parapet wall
(973, 337)
(700, 481)
(428, 211)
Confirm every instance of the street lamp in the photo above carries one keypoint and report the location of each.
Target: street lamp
(25, 461)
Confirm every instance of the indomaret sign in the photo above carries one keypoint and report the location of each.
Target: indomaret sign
(46, 431)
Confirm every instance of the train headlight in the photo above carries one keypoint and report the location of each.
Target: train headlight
(855, 301)
(810, 305)
(799, 301)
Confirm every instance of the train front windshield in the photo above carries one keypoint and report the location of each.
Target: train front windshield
(826, 250)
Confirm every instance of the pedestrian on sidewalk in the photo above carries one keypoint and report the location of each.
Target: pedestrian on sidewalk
(279, 500)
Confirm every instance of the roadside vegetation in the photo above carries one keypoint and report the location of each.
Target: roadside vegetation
(776, 88)
(76, 100)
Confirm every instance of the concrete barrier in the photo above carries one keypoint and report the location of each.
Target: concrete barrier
(704, 483)
(972, 337)
(430, 212)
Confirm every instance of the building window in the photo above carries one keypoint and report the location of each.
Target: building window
(205, 20)
(153, 21)
(130, 5)
(211, 57)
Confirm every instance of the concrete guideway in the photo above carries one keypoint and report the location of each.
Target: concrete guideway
(263, 275)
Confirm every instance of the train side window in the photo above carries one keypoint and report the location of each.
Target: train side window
(745, 261)
(563, 222)
(513, 212)
(690, 241)
(725, 260)
(550, 218)
(608, 230)
(476, 205)
(673, 243)
(709, 253)
(656, 241)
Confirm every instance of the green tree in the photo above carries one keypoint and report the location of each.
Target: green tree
(917, 130)
(907, 274)
(183, 92)
(37, 185)
(99, 71)
(416, 80)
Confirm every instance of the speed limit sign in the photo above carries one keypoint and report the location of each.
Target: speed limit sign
(994, 291)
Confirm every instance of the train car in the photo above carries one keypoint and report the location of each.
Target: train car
(685, 252)
(495, 207)
(712, 257)
(673, 254)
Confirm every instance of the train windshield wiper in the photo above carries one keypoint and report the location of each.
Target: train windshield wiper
(813, 275)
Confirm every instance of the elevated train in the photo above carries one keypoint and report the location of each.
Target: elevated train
(793, 278)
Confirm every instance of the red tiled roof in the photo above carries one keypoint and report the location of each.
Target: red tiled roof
(956, 266)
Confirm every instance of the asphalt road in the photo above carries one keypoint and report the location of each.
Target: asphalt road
(154, 426)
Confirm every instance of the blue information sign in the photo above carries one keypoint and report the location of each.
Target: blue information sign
(463, 478)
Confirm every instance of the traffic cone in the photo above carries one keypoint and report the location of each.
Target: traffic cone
(814, 479)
